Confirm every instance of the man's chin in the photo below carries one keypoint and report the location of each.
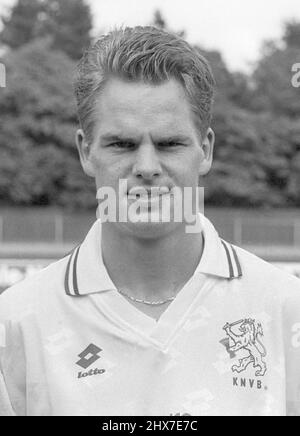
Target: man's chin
(149, 229)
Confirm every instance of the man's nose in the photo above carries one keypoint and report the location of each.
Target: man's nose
(147, 164)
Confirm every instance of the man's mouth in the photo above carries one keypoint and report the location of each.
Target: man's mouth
(147, 193)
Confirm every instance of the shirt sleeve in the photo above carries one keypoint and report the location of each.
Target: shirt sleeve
(5, 405)
(12, 370)
(291, 320)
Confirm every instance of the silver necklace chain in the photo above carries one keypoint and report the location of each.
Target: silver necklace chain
(150, 303)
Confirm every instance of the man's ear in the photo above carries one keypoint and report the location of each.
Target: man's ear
(84, 153)
(208, 148)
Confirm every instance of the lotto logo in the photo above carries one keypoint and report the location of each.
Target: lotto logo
(89, 356)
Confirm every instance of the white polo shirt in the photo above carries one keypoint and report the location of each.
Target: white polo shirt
(229, 344)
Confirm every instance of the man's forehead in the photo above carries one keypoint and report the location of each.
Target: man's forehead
(128, 127)
(118, 95)
(126, 107)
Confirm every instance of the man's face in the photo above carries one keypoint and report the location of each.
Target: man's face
(145, 134)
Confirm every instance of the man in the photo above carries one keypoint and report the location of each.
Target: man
(146, 317)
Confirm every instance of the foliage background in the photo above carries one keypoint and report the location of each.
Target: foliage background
(257, 116)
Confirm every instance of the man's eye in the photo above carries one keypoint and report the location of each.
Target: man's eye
(170, 144)
(122, 144)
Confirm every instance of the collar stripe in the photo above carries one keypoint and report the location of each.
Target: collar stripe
(67, 288)
(75, 281)
(231, 274)
(71, 286)
(239, 268)
(222, 260)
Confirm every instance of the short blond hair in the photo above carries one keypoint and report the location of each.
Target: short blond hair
(143, 54)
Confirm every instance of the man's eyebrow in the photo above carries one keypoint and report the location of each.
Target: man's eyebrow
(174, 138)
(115, 137)
(111, 137)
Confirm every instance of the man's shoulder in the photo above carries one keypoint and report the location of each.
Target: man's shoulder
(257, 271)
(34, 290)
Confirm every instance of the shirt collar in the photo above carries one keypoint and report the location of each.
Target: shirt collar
(87, 274)
(219, 258)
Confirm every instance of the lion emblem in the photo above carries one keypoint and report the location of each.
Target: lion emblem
(247, 337)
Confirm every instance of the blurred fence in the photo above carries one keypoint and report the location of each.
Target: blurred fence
(43, 226)
(242, 227)
(32, 238)
(255, 227)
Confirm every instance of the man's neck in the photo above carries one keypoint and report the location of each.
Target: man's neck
(150, 269)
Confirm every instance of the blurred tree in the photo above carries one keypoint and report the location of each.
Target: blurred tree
(272, 76)
(293, 191)
(256, 118)
(20, 27)
(237, 177)
(272, 80)
(254, 159)
(38, 157)
(291, 35)
(66, 22)
(70, 24)
(159, 20)
(232, 87)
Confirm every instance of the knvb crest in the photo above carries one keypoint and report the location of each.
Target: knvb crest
(244, 336)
